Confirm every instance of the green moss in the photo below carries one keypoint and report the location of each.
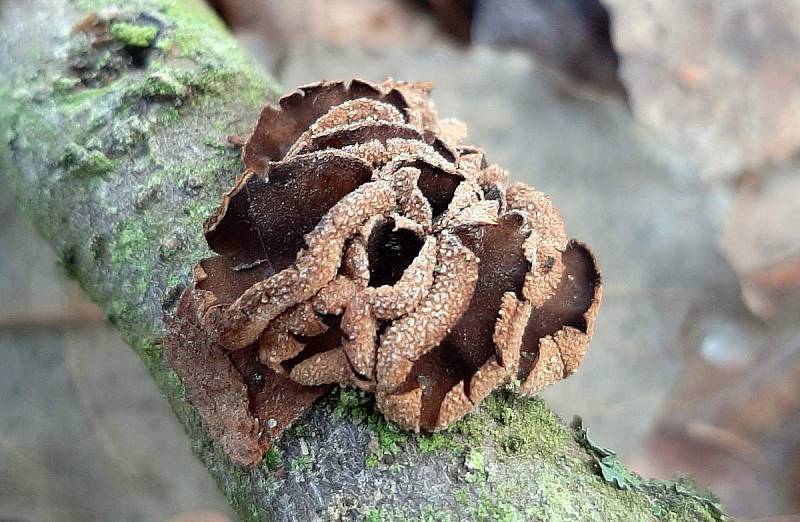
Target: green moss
(390, 437)
(475, 462)
(130, 245)
(430, 514)
(522, 463)
(95, 164)
(134, 35)
(170, 116)
(515, 425)
(193, 31)
(198, 211)
(64, 85)
(222, 63)
(432, 442)
(87, 163)
(302, 464)
(273, 459)
(360, 407)
(79, 100)
(372, 461)
(670, 498)
(129, 242)
(160, 85)
(382, 515)
(488, 508)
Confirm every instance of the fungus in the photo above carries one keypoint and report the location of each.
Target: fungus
(365, 246)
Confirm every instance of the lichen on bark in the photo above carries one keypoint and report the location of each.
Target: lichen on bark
(129, 229)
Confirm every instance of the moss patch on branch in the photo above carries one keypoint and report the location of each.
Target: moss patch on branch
(134, 35)
(517, 462)
(82, 162)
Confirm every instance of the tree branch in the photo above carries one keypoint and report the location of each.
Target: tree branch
(115, 142)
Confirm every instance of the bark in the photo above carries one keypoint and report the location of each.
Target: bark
(117, 152)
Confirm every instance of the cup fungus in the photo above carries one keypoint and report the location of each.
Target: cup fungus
(365, 246)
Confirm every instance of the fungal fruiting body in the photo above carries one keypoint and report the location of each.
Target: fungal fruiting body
(366, 246)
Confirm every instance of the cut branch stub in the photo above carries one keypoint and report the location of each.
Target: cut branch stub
(366, 246)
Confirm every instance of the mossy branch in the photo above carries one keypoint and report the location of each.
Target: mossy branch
(118, 152)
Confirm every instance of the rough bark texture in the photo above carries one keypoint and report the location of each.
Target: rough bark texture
(117, 153)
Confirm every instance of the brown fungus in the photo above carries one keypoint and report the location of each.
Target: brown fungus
(365, 246)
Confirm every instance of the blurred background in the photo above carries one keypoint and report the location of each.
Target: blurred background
(666, 131)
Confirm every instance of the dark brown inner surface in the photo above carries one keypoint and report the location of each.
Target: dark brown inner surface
(436, 375)
(572, 298)
(331, 339)
(437, 186)
(380, 131)
(226, 283)
(272, 397)
(502, 269)
(279, 128)
(470, 344)
(390, 252)
(439, 146)
(267, 218)
(213, 385)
